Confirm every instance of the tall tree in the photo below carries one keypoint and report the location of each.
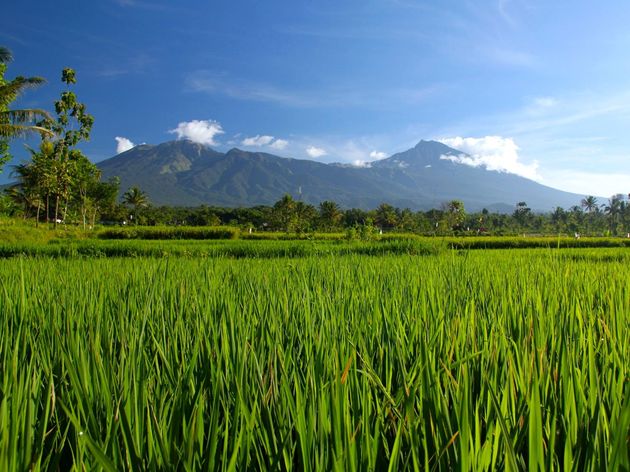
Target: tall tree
(386, 216)
(522, 214)
(136, 199)
(329, 215)
(613, 210)
(284, 213)
(305, 216)
(36, 179)
(589, 203)
(72, 125)
(86, 177)
(454, 214)
(14, 123)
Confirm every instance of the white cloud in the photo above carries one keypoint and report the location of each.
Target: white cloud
(123, 144)
(315, 152)
(198, 131)
(360, 163)
(257, 140)
(378, 155)
(493, 153)
(279, 144)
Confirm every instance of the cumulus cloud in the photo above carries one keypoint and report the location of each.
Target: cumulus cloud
(378, 155)
(123, 144)
(279, 144)
(493, 153)
(360, 163)
(315, 152)
(198, 131)
(257, 140)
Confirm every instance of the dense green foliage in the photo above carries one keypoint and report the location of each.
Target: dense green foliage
(457, 360)
(59, 180)
(296, 217)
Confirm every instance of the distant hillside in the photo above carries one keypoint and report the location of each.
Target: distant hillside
(189, 174)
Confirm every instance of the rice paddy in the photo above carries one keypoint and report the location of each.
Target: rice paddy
(432, 359)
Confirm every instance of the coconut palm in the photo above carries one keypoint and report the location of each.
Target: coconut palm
(135, 198)
(613, 211)
(14, 123)
(589, 204)
(330, 214)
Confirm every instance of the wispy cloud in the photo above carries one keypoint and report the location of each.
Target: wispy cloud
(198, 131)
(144, 4)
(247, 90)
(132, 64)
(509, 57)
(123, 144)
(503, 8)
(221, 85)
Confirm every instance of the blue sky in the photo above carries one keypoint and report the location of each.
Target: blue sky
(534, 87)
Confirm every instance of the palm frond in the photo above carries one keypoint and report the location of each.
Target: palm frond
(14, 131)
(5, 55)
(27, 115)
(10, 90)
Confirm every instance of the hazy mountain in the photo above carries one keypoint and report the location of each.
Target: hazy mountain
(189, 174)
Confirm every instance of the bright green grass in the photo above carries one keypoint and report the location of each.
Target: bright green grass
(459, 361)
(274, 248)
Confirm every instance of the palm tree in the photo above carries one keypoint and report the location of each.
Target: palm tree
(613, 210)
(135, 198)
(330, 214)
(14, 123)
(589, 203)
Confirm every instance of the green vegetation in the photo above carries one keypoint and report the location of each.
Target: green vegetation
(16, 122)
(59, 182)
(470, 360)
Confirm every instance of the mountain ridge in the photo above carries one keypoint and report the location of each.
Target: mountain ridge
(185, 173)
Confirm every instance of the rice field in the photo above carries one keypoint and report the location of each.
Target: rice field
(432, 360)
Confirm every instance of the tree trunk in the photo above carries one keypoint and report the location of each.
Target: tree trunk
(65, 209)
(56, 210)
(48, 210)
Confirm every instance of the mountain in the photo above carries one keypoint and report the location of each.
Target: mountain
(189, 174)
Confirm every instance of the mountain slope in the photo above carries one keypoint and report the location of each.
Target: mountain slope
(188, 174)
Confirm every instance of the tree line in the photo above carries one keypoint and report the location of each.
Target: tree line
(611, 218)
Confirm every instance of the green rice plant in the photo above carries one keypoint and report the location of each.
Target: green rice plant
(170, 232)
(455, 360)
